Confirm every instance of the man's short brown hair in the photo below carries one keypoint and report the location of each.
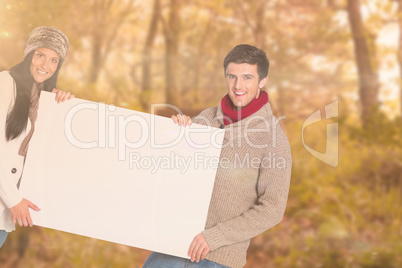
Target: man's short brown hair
(248, 54)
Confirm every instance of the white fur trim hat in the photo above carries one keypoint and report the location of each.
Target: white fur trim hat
(48, 37)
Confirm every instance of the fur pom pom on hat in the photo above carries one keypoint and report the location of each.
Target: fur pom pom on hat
(48, 37)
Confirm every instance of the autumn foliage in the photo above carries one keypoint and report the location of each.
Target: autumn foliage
(135, 53)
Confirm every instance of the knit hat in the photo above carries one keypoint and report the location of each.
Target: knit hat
(48, 37)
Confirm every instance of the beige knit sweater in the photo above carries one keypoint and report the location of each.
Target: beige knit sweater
(251, 185)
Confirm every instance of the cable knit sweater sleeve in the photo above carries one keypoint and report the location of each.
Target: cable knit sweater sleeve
(272, 190)
(246, 200)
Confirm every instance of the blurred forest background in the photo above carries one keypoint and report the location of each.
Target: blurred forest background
(133, 53)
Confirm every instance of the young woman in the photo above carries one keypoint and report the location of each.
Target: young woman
(20, 88)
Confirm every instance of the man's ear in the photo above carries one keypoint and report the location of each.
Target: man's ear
(263, 82)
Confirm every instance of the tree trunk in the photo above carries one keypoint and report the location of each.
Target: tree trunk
(105, 28)
(172, 30)
(96, 45)
(198, 64)
(96, 57)
(365, 59)
(255, 21)
(400, 53)
(259, 30)
(146, 86)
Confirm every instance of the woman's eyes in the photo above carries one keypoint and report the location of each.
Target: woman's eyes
(41, 56)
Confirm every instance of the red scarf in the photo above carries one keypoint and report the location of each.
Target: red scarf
(251, 108)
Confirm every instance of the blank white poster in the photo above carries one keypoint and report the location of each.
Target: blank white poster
(119, 175)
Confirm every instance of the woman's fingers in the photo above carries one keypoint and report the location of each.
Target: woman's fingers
(20, 213)
(62, 95)
(33, 206)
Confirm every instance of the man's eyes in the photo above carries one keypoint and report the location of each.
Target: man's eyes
(244, 77)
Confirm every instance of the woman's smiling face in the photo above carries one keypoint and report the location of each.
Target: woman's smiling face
(44, 64)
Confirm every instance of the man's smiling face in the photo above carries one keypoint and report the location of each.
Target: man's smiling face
(243, 83)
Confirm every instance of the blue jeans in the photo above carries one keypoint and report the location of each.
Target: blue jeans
(159, 260)
(3, 236)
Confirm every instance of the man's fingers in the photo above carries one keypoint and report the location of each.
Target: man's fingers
(174, 118)
(190, 251)
(202, 251)
(199, 248)
(189, 122)
(181, 119)
(195, 254)
(204, 254)
(199, 252)
(186, 120)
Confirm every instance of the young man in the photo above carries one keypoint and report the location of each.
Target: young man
(252, 181)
